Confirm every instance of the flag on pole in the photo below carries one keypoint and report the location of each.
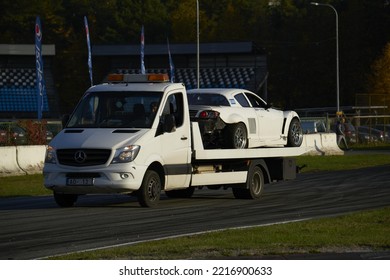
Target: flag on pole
(142, 50)
(41, 90)
(171, 66)
(89, 49)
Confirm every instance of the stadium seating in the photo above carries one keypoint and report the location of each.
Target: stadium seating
(18, 90)
(233, 77)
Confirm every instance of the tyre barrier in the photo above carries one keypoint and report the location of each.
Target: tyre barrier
(21, 160)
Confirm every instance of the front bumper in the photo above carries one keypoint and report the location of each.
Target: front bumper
(115, 178)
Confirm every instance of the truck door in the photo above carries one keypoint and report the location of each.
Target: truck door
(176, 145)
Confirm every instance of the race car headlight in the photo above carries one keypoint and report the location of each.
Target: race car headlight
(126, 154)
(50, 156)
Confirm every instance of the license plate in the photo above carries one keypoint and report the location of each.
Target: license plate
(79, 181)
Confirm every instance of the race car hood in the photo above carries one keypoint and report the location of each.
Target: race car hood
(97, 138)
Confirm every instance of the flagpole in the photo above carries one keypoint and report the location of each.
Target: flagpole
(197, 44)
(89, 50)
(39, 67)
(142, 50)
(171, 66)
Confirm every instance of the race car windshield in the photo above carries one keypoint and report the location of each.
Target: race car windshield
(212, 99)
(116, 109)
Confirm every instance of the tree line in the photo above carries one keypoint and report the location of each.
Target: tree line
(298, 38)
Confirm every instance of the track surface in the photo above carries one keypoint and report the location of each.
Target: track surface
(34, 227)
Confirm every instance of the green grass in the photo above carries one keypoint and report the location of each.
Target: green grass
(25, 185)
(362, 231)
(333, 163)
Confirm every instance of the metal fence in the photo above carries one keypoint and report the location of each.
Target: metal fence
(16, 133)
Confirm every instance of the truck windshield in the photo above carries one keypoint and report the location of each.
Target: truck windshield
(116, 109)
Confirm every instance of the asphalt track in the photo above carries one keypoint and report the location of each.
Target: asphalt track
(34, 227)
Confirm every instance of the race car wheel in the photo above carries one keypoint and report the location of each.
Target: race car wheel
(237, 137)
(295, 134)
(150, 191)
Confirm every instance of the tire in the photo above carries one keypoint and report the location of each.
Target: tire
(237, 136)
(150, 191)
(184, 193)
(253, 189)
(65, 200)
(295, 134)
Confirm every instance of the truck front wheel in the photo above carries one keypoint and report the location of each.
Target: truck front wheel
(65, 200)
(150, 191)
(254, 186)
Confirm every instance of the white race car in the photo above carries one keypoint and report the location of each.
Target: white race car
(238, 119)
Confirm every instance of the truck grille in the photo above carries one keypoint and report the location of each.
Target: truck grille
(83, 157)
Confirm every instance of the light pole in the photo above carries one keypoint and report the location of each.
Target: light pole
(197, 44)
(337, 51)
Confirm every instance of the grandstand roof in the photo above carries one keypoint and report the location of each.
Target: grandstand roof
(26, 49)
(161, 49)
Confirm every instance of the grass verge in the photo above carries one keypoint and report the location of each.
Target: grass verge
(366, 231)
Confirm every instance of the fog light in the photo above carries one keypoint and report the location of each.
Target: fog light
(124, 175)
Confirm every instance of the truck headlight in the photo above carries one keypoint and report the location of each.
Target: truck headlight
(126, 154)
(50, 156)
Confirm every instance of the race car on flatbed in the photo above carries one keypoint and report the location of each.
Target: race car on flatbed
(237, 118)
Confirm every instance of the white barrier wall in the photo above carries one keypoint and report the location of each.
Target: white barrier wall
(322, 144)
(23, 160)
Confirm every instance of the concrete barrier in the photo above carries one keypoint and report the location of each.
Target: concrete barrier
(21, 160)
(30, 159)
(8, 163)
(321, 144)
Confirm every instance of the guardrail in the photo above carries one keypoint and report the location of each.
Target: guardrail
(23, 160)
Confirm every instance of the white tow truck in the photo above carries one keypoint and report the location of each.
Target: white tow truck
(133, 135)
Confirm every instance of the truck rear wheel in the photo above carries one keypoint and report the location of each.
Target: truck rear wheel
(65, 200)
(150, 191)
(254, 186)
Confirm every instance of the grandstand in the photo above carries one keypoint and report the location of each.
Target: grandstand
(238, 77)
(225, 65)
(18, 89)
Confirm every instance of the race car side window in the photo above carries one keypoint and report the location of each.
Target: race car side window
(242, 100)
(255, 101)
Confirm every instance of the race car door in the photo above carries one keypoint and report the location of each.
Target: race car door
(270, 120)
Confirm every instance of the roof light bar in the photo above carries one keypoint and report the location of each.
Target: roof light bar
(137, 78)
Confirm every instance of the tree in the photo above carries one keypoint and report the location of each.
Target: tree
(379, 79)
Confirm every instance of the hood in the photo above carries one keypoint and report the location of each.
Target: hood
(96, 138)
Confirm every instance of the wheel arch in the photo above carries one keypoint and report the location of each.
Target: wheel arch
(157, 167)
(263, 165)
(289, 116)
